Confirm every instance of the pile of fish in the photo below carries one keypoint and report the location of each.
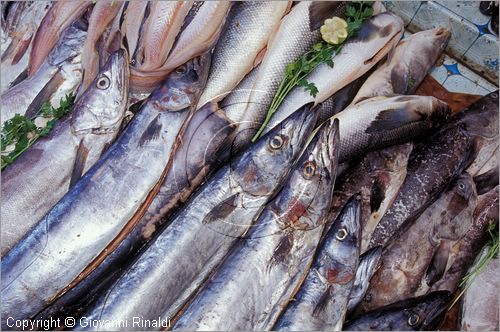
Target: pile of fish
(361, 208)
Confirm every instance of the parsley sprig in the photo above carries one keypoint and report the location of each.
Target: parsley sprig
(356, 13)
(21, 132)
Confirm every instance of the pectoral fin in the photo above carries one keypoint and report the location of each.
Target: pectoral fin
(437, 267)
(81, 158)
(222, 210)
(392, 119)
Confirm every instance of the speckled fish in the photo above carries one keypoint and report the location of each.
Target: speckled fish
(37, 269)
(265, 268)
(434, 164)
(205, 229)
(464, 251)
(480, 302)
(57, 19)
(16, 40)
(412, 260)
(369, 263)
(60, 71)
(242, 44)
(423, 313)
(298, 31)
(321, 302)
(377, 177)
(406, 65)
(30, 186)
(358, 55)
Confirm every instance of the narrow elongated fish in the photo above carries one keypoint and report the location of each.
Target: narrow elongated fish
(61, 65)
(242, 44)
(273, 258)
(406, 65)
(133, 20)
(29, 186)
(57, 19)
(298, 31)
(411, 262)
(423, 313)
(464, 251)
(369, 263)
(205, 229)
(321, 302)
(376, 38)
(434, 164)
(70, 236)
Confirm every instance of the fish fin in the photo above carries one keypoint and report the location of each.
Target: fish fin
(282, 250)
(399, 79)
(319, 11)
(152, 132)
(81, 158)
(44, 95)
(437, 266)
(377, 195)
(322, 302)
(21, 50)
(394, 118)
(486, 181)
(21, 77)
(222, 210)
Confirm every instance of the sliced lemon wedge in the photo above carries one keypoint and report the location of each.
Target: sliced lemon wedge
(334, 30)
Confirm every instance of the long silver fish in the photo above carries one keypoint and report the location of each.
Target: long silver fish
(43, 174)
(62, 64)
(161, 280)
(437, 162)
(406, 65)
(242, 44)
(321, 302)
(376, 38)
(265, 268)
(407, 262)
(81, 224)
(298, 31)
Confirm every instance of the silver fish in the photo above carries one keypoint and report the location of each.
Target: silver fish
(29, 186)
(264, 269)
(321, 302)
(242, 44)
(205, 229)
(64, 242)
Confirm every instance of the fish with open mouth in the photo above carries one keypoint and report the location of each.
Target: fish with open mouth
(205, 228)
(141, 155)
(272, 259)
(321, 302)
(30, 186)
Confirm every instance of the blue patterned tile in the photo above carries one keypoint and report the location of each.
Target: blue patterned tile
(483, 57)
(405, 9)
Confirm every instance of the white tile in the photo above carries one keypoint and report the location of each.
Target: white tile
(459, 83)
(483, 57)
(466, 9)
(405, 9)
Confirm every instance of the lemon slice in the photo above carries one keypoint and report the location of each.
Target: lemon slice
(334, 30)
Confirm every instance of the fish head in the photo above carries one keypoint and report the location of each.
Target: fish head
(69, 45)
(305, 199)
(183, 86)
(393, 159)
(481, 120)
(428, 311)
(459, 209)
(261, 167)
(102, 106)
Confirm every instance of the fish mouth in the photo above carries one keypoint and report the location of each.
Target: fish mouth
(352, 213)
(307, 118)
(120, 70)
(439, 306)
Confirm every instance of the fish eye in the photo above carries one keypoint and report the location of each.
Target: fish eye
(103, 82)
(341, 234)
(309, 169)
(276, 142)
(461, 186)
(413, 319)
(181, 70)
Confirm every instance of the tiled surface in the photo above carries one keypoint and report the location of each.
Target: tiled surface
(471, 42)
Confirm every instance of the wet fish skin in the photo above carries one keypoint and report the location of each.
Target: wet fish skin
(206, 228)
(30, 188)
(464, 251)
(276, 252)
(420, 313)
(59, 66)
(132, 23)
(321, 302)
(437, 162)
(242, 43)
(369, 263)
(413, 258)
(406, 65)
(141, 155)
